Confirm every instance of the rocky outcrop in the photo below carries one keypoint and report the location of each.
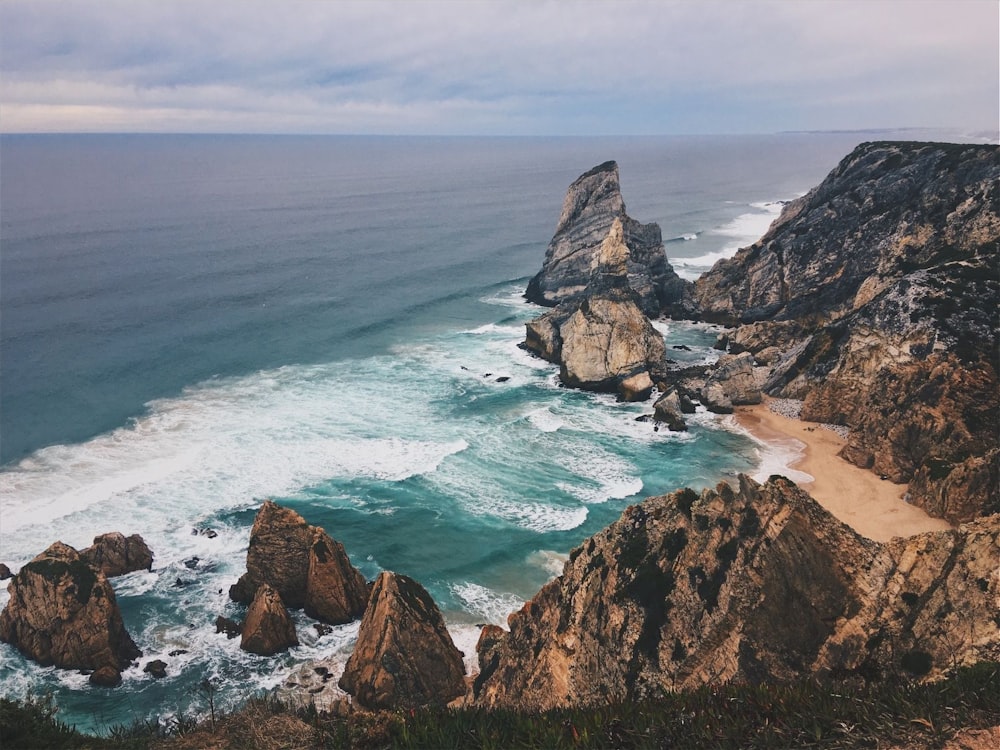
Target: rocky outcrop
(879, 289)
(669, 410)
(304, 565)
(5, 572)
(760, 583)
(592, 204)
(115, 554)
(268, 629)
(603, 341)
(63, 612)
(732, 382)
(404, 656)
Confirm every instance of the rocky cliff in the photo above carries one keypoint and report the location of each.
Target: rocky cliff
(750, 584)
(592, 204)
(63, 612)
(601, 339)
(880, 290)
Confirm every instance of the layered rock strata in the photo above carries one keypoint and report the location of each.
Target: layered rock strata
(304, 565)
(404, 656)
(758, 583)
(63, 612)
(603, 341)
(592, 204)
(873, 298)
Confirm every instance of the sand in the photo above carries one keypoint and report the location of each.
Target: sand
(872, 506)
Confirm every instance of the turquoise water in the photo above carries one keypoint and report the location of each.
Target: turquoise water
(193, 324)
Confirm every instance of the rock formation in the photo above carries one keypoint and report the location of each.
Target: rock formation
(304, 565)
(114, 554)
(880, 289)
(267, 629)
(63, 612)
(404, 656)
(602, 341)
(669, 410)
(592, 204)
(755, 584)
(732, 382)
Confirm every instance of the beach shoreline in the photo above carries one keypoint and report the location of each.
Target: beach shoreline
(873, 507)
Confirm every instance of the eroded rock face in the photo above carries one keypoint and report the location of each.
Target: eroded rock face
(404, 656)
(737, 383)
(880, 289)
(759, 583)
(115, 554)
(603, 341)
(592, 204)
(303, 564)
(63, 612)
(268, 629)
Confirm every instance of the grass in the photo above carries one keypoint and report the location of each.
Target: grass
(804, 714)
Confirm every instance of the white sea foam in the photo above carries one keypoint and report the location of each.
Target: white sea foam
(545, 420)
(485, 604)
(605, 476)
(774, 456)
(550, 561)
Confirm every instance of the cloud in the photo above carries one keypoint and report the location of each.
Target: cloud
(496, 67)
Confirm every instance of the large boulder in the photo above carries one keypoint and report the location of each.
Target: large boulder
(404, 656)
(669, 410)
(759, 583)
(734, 375)
(115, 554)
(63, 612)
(303, 564)
(592, 204)
(267, 629)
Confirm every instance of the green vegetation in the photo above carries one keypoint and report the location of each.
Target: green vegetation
(805, 714)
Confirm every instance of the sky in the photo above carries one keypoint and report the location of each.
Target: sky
(513, 67)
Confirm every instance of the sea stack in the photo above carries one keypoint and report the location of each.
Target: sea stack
(63, 612)
(601, 339)
(592, 204)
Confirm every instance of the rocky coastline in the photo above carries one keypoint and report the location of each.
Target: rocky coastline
(869, 307)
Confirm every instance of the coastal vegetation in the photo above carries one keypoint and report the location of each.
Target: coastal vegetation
(895, 712)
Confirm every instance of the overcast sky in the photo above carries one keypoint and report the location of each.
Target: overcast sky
(465, 67)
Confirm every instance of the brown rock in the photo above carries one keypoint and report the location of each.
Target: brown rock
(114, 554)
(4, 572)
(336, 592)
(668, 409)
(267, 629)
(63, 612)
(404, 656)
(735, 378)
(637, 387)
(303, 564)
(231, 628)
(157, 669)
(758, 584)
(105, 677)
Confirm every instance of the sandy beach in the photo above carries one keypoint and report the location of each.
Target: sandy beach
(871, 506)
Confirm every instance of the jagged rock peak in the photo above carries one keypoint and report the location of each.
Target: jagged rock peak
(303, 564)
(592, 204)
(63, 612)
(404, 656)
(756, 583)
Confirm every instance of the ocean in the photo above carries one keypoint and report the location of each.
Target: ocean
(191, 324)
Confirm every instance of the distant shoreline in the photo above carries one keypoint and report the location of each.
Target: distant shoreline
(871, 506)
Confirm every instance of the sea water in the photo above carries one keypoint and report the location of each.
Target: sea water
(191, 324)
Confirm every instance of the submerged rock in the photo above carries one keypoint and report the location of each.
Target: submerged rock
(759, 583)
(404, 656)
(63, 612)
(115, 554)
(303, 564)
(268, 629)
(592, 204)
(668, 409)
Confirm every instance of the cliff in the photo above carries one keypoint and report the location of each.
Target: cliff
(758, 583)
(880, 290)
(592, 204)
